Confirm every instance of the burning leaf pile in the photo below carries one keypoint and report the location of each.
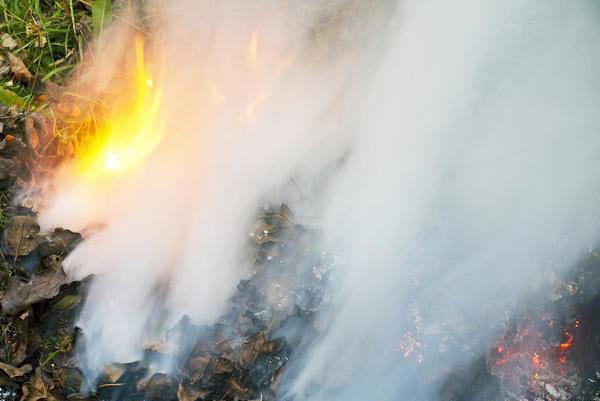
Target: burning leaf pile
(548, 352)
(241, 357)
(101, 131)
(536, 360)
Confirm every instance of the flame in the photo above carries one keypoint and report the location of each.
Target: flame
(131, 128)
(536, 359)
(568, 343)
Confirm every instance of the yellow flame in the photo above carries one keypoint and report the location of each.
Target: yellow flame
(129, 132)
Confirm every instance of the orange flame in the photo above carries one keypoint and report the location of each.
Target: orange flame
(536, 359)
(130, 131)
(568, 343)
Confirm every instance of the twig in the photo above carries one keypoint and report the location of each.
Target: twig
(111, 385)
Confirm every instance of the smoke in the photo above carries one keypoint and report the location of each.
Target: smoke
(246, 100)
(464, 140)
(474, 170)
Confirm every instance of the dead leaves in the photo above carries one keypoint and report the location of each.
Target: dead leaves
(18, 68)
(198, 365)
(14, 372)
(112, 373)
(39, 131)
(7, 169)
(60, 242)
(20, 295)
(250, 350)
(7, 41)
(16, 342)
(37, 388)
(22, 236)
(239, 359)
(160, 387)
(52, 262)
(189, 393)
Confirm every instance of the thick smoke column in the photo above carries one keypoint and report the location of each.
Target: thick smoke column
(474, 169)
(464, 138)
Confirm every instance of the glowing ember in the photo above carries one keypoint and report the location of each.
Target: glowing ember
(568, 343)
(131, 129)
(536, 360)
(525, 360)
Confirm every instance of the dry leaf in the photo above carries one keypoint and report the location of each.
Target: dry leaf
(22, 235)
(7, 168)
(35, 389)
(7, 41)
(20, 295)
(21, 348)
(198, 365)
(161, 387)
(113, 372)
(61, 242)
(38, 131)
(53, 262)
(188, 393)
(13, 372)
(18, 67)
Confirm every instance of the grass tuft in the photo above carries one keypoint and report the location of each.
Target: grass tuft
(49, 36)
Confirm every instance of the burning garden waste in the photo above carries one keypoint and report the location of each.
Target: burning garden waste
(299, 201)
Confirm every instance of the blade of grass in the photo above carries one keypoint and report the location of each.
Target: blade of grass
(55, 71)
(72, 14)
(101, 15)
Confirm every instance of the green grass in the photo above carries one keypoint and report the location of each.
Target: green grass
(50, 37)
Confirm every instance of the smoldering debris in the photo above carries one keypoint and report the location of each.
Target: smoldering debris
(274, 317)
(547, 352)
(242, 356)
(257, 347)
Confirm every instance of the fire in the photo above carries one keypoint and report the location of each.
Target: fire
(536, 359)
(526, 359)
(131, 128)
(568, 343)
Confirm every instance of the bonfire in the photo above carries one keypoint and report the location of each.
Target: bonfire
(296, 200)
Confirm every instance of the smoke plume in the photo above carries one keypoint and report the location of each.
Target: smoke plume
(454, 145)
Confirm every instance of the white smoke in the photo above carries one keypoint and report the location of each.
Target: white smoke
(475, 168)
(468, 132)
(246, 103)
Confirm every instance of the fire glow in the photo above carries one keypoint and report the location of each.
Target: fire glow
(527, 361)
(131, 128)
